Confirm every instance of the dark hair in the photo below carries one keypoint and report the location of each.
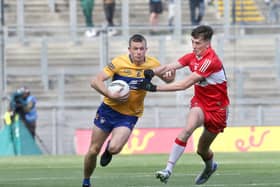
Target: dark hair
(137, 38)
(203, 31)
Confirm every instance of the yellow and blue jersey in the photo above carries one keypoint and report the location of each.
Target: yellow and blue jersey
(122, 68)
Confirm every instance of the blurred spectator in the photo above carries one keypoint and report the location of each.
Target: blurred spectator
(87, 7)
(197, 9)
(171, 13)
(156, 8)
(274, 11)
(267, 2)
(210, 2)
(24, 104)
(109, 10)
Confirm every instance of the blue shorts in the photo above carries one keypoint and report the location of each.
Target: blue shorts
(107, 119)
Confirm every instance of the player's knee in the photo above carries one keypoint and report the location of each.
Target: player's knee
(185, 134)
(201, 153)
(94, 150)
(205, 154)
(198, 152)
(115, 149)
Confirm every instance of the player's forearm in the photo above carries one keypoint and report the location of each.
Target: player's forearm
(180, 85)
(161, 70)
(174, 86)
(167, 67)
(97, 83)
(99, 86)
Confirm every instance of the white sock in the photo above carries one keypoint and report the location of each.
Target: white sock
(178, 149)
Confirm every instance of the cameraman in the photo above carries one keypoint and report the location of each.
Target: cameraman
(24, 104)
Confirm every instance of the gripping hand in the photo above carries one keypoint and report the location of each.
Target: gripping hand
(149, 74)
(148, 86)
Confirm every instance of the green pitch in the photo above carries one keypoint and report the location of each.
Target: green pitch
(235, 170)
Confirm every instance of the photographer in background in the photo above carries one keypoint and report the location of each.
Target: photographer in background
(24, 104)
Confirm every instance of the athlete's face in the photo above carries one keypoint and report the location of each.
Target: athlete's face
(199, 45)
(137, 51)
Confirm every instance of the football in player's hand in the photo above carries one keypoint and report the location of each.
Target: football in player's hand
(119, 86)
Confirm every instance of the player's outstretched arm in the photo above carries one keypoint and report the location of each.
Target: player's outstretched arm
(174, 86)
(168, 76)
(167, 72)
(166, 68)
(181, 84)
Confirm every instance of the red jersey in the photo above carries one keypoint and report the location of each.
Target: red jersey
(212, 91)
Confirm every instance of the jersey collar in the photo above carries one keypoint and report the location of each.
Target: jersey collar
(131, 60)
(206, 52)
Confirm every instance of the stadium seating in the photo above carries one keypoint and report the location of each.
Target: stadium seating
(254, 58)
(246, 11)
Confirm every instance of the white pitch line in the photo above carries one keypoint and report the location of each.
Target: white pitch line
(38, 179)
(76, 178)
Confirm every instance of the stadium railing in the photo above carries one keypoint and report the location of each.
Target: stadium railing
(253, 102)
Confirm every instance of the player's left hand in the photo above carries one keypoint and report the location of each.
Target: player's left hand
(123, 98)
(148, 86)
(149, 74)
(118, 97)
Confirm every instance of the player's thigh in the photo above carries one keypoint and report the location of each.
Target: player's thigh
(98, 137)
(195, 119)
(119, 137)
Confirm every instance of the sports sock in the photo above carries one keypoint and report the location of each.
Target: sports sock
(86, 182)
(209, 161)
(178, 149)
(209, 164)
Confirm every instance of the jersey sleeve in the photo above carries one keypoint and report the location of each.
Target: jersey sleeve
(155, 63)
(111, 68)
(186, 59)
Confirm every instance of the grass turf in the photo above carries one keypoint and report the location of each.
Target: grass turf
(235, 170)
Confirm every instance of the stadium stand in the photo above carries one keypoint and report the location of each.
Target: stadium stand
(51, 58)
(244, 11)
